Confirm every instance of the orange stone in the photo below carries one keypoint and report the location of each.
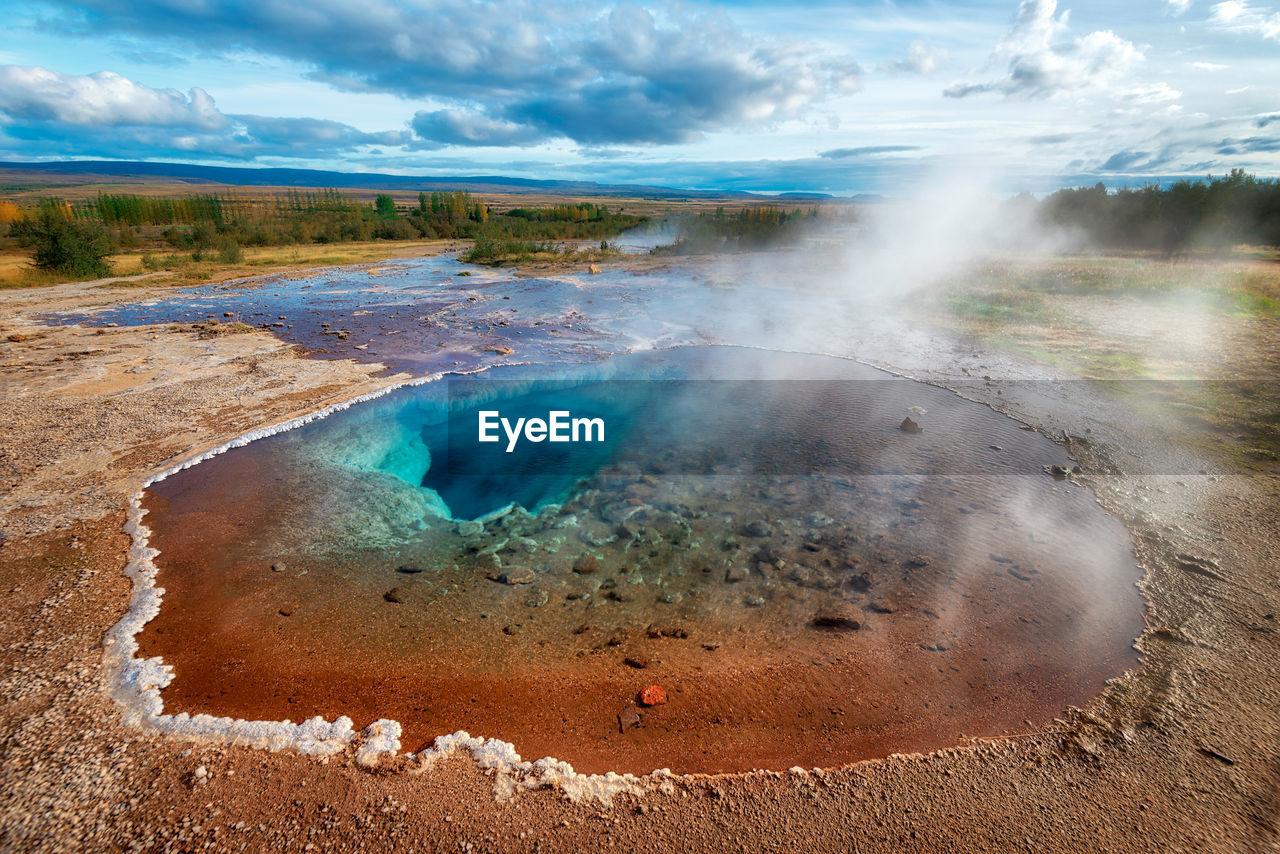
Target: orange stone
(653, 696)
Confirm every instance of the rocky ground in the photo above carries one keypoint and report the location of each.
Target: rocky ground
(1181, 755)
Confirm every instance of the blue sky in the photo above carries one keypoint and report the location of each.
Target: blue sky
(834, 97)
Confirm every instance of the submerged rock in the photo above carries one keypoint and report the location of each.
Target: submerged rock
(518, 575)
(618, 512)
(586, 564)
(909, 426)
(395, 594)
(595, 537)
(470, 528)
(840, 620)
(521, 545)
(760, 528)
(487, 561)
(859, 583)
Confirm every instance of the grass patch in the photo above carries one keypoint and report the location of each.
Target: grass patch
(1002, 306)
(1250, 303)
(215, 329)
(1238, 419)
(1245, 283)
(1043, 312)
(505, 253)
(499, 252)
(187, 268)
(1107, 364)
(30, 277)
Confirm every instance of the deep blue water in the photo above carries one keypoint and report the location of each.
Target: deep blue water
(693, 411)
(474, 479)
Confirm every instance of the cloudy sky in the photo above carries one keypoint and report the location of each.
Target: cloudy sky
(835, 97)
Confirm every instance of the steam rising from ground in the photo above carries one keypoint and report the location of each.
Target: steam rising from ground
(866, 278)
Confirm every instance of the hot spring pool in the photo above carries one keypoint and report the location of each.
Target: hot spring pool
(810, 584)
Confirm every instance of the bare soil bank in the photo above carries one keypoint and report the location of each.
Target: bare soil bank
(1184, 755)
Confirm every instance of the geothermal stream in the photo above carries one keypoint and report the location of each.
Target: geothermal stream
(809, 584)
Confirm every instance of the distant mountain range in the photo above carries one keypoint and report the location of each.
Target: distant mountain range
(83, 171)
(274, 177)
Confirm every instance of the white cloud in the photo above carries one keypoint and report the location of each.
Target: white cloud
(1208, 66)
(921, 59)
(1238, 16)
(1177, 7)
(101, 99)
(1157, 94)
(464, 127)
(67, 114)
(510, 70)
(1044, 61)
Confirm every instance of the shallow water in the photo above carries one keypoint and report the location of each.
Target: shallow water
(425, 315)
(810, 584)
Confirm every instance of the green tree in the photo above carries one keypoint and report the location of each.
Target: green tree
(385, 206)
(62, 244)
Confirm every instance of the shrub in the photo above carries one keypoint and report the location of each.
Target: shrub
(64, 245)
(394, 229)
(229, 251)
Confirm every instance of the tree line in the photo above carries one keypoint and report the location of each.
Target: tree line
(748, 229)
(75, 240)
(1237, 208)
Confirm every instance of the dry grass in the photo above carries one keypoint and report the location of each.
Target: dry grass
(179, 269)
(1081, 314)
(997, 293)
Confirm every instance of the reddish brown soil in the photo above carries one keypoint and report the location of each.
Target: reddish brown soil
(762, 688)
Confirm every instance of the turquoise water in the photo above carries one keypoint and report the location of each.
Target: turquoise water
(700, 411)
(475, 479)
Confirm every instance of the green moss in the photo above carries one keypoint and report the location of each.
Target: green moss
(1251, 303)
